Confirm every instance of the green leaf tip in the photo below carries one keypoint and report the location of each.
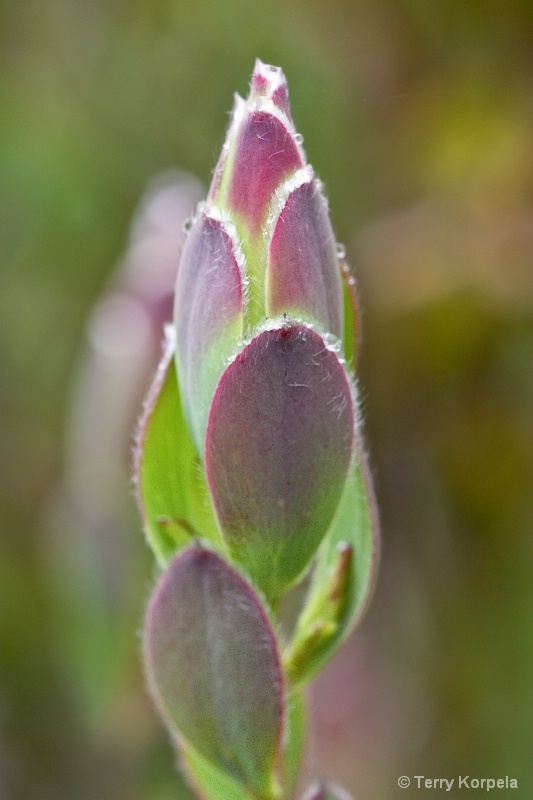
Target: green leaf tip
(170, 485)
(343, 577)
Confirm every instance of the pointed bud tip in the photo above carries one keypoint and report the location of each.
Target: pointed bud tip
(269, 81)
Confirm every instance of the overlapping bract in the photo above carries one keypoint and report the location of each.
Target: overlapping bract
(216, 670)
(250, 459)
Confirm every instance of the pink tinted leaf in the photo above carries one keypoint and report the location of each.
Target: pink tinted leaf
(208, 312)
(278, 448)
(265, 154)
(213, 667)
(303, 276)
(269, 81)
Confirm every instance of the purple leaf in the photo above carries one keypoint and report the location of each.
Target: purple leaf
(269, 81)
(278, 447)
(266, 153)
(213, 667)
(303, 276)
(208, 312)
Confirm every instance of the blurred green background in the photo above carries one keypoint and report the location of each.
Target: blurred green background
(418, 116)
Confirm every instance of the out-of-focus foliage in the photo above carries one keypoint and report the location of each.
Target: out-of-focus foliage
(418, 116)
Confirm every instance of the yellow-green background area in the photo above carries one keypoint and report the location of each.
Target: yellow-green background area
(418, 116)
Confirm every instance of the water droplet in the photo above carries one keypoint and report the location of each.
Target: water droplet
(187, 225)
(298, 138)
(273, 69)
(351, 281)
(332, 342)
(340, 250)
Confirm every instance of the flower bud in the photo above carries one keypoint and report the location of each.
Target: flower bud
(261, 247)
(259, 319)
(250, 464)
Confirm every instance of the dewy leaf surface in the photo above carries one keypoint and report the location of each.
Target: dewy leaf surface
(278, 448)
(213, 666)
(170, 484)
(341, 586)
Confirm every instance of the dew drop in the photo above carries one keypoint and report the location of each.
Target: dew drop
(340, 250)
(351, 281)
(272, 69)
(187, 225)
(332, 342)
(298, 138)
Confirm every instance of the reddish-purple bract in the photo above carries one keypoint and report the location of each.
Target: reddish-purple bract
(265, 154)
(278, 446)
(213, 666)
(208, 297)
(303, 275)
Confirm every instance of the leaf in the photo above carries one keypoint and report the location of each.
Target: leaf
(208, 313)
(263, 155)
(208, 781)
(350, 338)
(212, 784)
(213, 667)
(170, 485)
(278, 449)
(342, 581)
(303, 277)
